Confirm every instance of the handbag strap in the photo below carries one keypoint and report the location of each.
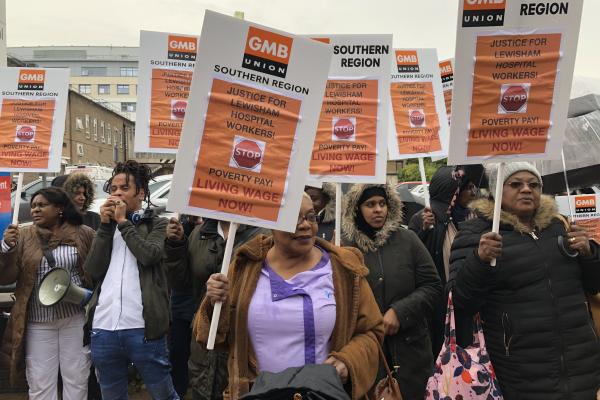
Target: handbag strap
(385, 364)
(450, 326)
(48, 253)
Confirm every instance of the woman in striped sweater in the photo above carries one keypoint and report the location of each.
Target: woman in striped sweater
(37, 337)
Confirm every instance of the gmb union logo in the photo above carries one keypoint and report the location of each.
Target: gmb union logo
(267, 52)
(446, 71)
(483, 13)
(25, 133)
(247, 153)
(585, 204)
(31, 79)
(407, 61)
(182, 48)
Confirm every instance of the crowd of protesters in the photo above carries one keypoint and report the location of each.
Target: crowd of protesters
(296, 299)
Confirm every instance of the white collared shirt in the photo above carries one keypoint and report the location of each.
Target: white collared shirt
(120, 301)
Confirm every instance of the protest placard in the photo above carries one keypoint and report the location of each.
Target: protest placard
(350, 146)
(252, 115)
(165, 75)
(33, 104)
(514, 68)
(418, 124)
(447, 75)
(585, 212)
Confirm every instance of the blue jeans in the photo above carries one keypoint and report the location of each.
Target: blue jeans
(111, 353)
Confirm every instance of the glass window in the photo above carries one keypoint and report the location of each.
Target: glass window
(85, 88)
(128, 107)
(103, 89)
(93, 71)
(108, 134)
(95, 131)
(87, 126)
(78, 123)
(122, 89)
(102, 132)
(129, 71)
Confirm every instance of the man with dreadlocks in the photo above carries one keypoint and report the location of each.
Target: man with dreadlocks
(451, 190)
(131, 315)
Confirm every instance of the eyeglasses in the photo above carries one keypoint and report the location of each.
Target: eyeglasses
(310, 217)
(518, 185)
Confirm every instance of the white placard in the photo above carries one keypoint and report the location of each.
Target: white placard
(514, 68)
(250, 124)
(33, 105)
(351, 141)
(165, 75)
(418, 125)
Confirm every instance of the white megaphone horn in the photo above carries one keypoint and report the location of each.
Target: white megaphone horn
(57, 286)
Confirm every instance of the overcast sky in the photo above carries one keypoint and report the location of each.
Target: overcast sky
(419, 23)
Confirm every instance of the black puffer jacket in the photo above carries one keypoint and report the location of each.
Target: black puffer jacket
(403, 278)
(536, 321)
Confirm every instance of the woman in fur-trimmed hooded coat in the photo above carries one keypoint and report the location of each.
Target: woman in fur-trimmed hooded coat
(82, 191)
(402, 276)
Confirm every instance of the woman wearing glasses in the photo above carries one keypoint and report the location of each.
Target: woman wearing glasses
(537, 324)
(402, 276)
(290, 300)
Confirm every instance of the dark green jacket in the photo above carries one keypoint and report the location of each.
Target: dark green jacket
(403, 277)
(146, 241)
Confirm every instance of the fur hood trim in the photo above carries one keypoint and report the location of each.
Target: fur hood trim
(77, 180)
(256, 250)
(329, 210)
(350, 209)
(544, 215)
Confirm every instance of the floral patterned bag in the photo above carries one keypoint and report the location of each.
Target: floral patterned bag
(463, 374)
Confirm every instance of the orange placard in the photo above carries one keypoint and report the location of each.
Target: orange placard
(592, 226)
(512, 95)
(245, 151)
(5, 187)
(346, 140)
(170, 91)
(415, 117)
(26, 127)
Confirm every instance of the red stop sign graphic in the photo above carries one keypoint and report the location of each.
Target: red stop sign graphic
(247, 154)
(514, 98)
(343, 129)
(178, 109)
(25, 133)
(417, 118)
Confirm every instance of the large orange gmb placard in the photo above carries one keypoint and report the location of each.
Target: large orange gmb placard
(346, 140)
(415, 117)
(26, 127)
(169, 94)
(513, 88)
(245, 151)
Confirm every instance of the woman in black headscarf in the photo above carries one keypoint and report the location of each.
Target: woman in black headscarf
(402, 276)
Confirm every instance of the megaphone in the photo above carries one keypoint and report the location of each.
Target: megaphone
(56, 285)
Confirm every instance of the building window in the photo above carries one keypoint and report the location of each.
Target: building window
(122, 89)
(102, 132)
(121, 139)
(103, 89)
(78, 123)
(129, 71)
(85, 89)
(128, 107)
(87, 126)
(108, 134)
(93, 71)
